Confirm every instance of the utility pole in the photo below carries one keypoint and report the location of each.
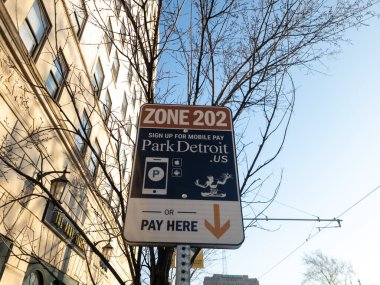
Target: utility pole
(224, 260)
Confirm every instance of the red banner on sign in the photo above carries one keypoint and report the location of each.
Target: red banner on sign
(185, 117)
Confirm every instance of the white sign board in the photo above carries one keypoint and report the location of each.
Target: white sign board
(184, 187)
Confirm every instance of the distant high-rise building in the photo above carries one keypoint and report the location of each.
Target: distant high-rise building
(221, 279)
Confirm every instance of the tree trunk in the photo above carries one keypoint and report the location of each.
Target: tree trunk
(160, 272)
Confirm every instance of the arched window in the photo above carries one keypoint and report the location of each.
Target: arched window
(33, 278)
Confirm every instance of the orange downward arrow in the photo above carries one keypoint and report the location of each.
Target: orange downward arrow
(216, 229)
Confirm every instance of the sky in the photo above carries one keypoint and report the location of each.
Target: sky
(330, 164)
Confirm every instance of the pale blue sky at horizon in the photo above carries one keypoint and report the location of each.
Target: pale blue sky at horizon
(330, 161)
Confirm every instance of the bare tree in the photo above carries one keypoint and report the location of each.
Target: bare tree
(239, 54)
(324, 270)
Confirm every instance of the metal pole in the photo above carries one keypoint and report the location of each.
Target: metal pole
(183, 265)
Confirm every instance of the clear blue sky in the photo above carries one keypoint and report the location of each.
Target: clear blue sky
(331, 160)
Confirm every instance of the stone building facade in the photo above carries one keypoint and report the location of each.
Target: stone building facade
(69, 100)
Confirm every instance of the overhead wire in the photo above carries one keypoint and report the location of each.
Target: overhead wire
(320, 230)
(290, 207)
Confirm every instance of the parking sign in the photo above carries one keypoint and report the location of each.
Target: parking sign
(184, 187)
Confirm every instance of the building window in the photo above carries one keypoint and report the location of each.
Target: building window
(118, 140)
(140, 97)
(129, 4)
(130, 74)
(108, 37)
(93, 163)
(123, 34)
(129, 127)
(124, 107)
(106, 109)
(57, 75)
(107, 191)
(84, 132)
(78, 200)
(35, 29)
(117, 7)
(134, 97)
(27, 192)
(115, 67)
(56, 282)
(5, 252)
(98, 78)
(33, 278)
(79, 16)
(123, 163)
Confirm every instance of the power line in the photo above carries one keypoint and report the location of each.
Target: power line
(289, 206)
(312, 236)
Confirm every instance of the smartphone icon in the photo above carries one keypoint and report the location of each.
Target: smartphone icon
(156, 175)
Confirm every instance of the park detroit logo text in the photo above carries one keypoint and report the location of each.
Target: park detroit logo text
(182, 146)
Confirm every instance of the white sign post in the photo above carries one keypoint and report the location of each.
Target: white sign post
(184, 187)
